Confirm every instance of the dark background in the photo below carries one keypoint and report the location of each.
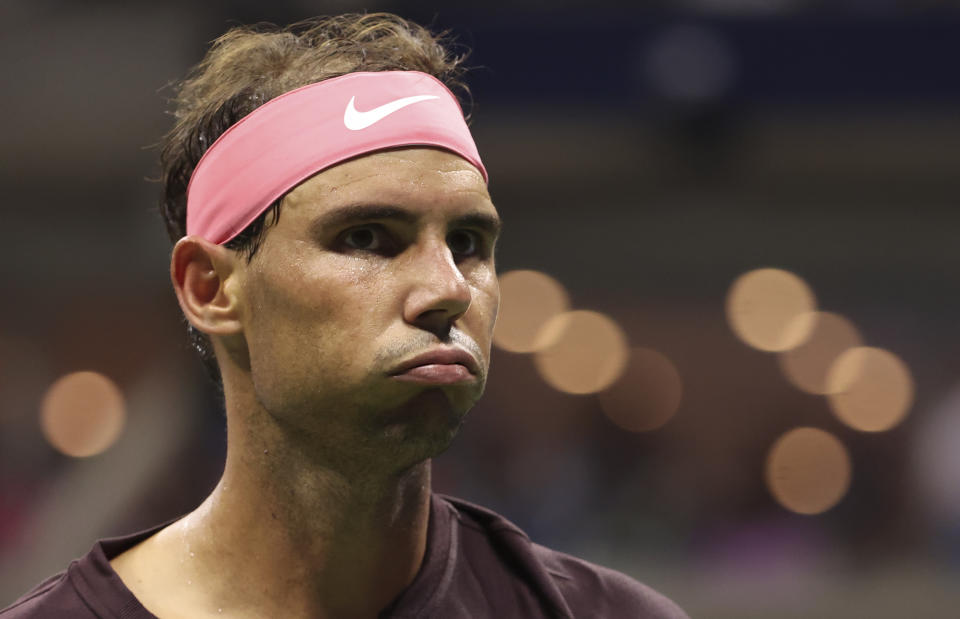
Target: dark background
(644, 157)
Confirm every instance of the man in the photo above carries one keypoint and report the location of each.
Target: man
(334, 257)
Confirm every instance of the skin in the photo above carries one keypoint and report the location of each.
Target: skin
(323, 506)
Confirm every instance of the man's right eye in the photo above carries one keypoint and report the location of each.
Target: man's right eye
(366, 238)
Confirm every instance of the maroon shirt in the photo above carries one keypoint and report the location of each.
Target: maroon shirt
(477, 564)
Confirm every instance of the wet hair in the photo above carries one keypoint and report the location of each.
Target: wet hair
(250, 65)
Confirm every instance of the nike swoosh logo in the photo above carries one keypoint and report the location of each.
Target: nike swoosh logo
(356, 120)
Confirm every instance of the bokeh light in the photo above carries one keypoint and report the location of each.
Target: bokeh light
(807, 366)
(646, 395)
(937, 460)
(766, 309)
(588, 352)
(82, 414)
(871, 389)
(528, 300)
(808, 470)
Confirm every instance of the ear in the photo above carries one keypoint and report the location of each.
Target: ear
(204, 277)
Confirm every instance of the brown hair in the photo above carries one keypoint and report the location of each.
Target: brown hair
(249, 65)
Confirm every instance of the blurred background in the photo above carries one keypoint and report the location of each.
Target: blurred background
(728, 362)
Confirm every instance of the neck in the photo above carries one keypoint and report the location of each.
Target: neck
(287, 534)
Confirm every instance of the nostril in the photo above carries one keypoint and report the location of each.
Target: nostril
(437, 322)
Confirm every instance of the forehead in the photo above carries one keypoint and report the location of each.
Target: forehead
(419, 179)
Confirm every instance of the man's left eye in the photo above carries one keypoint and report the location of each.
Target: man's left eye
(463, 242)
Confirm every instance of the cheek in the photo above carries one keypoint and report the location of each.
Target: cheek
(495, 293)
(486, 305)
(309, 320)
(307, 346)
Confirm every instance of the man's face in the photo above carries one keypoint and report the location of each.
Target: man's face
(372, 264)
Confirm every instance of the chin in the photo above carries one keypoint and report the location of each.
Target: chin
(422, 427)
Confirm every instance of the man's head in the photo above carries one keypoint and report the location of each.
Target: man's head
(322, 316)
(248, 66)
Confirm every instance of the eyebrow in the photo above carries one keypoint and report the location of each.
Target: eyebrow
(491, 224)
(357, 213)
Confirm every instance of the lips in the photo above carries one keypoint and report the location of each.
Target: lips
(440, 366)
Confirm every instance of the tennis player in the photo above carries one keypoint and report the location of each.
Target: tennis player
(334, 258)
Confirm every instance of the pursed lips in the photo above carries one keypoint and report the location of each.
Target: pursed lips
(440, 366)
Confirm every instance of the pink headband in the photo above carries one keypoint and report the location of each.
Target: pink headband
(292, 137)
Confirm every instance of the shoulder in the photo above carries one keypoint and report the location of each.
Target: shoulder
(88, 588)
(575, 586)
(54, 597)
(602, 592)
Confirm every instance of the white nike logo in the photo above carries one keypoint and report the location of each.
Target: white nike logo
(356, 120)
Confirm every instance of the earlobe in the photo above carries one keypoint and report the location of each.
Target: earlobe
(201, 273)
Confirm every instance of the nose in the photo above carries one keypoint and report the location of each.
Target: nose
(438, 292)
